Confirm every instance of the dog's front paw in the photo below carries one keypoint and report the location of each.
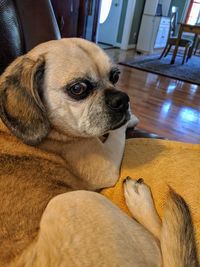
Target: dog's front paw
(138, 197)
(140, 203)
(132, 122)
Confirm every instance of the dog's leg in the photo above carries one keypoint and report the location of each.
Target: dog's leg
(114, 147)
(115, 142)
(95, 162)
(83, 228)
(140, 203)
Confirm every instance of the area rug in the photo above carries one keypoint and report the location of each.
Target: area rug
(189, 72)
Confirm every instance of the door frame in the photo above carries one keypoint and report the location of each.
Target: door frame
(128, 24)
(96, 20)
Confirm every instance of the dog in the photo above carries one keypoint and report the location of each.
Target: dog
(56, 103)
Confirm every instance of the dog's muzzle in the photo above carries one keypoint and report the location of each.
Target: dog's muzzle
(117, 101)
(117, 104)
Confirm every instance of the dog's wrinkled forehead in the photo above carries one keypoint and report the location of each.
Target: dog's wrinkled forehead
(69, 58)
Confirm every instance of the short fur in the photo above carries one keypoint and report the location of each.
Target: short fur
(177, 237)
(51, 155)
(28, 120)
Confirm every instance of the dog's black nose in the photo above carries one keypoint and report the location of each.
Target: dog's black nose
(116, 100)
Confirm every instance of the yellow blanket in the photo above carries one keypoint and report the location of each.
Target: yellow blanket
(161, 163)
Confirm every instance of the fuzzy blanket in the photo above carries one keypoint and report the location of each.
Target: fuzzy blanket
(161, 163)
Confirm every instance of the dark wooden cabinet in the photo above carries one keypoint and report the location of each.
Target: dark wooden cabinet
(72, 16)
(66, 12)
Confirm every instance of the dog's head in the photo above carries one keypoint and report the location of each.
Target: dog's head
(68, 85)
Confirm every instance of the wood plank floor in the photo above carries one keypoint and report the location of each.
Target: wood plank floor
(167, 107)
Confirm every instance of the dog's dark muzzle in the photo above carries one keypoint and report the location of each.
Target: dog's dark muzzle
(116, 101)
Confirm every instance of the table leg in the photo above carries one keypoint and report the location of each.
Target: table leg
(192, 47)
(177, 45)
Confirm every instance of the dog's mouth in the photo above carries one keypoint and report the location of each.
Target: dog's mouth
(125, 118)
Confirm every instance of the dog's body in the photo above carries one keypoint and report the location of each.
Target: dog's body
(58, 99)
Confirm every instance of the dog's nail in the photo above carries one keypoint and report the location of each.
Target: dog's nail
(140, 181)
(126, 179)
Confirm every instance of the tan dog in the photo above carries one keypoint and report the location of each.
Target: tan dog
(59, 99)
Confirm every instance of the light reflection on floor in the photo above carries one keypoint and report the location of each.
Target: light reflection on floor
(187, 114)
(171, 87)
(184, 114)
(165, 109)
(193, 89)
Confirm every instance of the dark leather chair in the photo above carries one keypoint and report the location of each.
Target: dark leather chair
(26, 23)
(23, 25)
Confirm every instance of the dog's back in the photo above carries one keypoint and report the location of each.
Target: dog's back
(24, 193)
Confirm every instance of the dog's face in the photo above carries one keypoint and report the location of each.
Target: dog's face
(79, 90)
(68, 85)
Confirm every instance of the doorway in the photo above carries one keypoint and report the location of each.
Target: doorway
(108, 24)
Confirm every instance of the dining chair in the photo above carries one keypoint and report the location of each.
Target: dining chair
(197, 45)
(171, 41)
(198, 41)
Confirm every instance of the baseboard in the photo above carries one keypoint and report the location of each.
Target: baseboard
(131, 46)
(117, 44)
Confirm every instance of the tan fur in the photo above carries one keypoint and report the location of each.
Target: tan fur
(177, 234)
(48, 217)
(30, 176)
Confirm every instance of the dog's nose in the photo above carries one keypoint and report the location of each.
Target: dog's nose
(116, 100)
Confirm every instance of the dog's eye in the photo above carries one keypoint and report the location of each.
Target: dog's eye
(78, 89)
(114, 76)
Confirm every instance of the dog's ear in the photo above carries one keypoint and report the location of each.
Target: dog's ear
(21, 107)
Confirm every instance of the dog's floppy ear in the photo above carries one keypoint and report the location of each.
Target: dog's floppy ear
(21, 107)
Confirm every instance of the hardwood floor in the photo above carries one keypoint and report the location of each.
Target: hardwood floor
(165, 106)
